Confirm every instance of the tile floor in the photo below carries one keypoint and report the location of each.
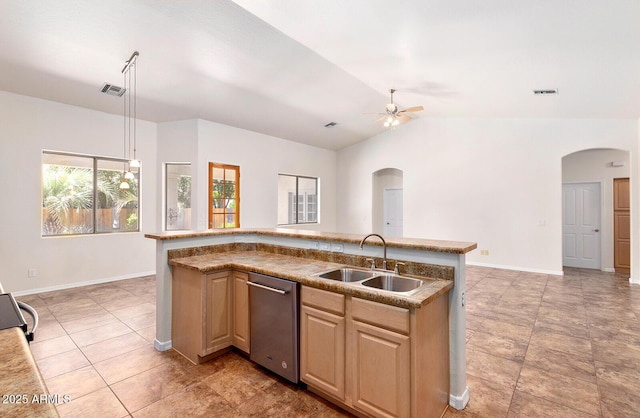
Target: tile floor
(537, 345)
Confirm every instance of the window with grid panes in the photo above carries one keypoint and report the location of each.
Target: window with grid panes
(224, 196)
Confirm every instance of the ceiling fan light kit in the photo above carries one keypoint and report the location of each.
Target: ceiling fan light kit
(393, 116)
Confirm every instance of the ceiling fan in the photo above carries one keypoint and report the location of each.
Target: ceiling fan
(392, 115)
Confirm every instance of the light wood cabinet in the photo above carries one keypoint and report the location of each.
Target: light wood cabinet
(380, 367)
(201, 321)
(218, 312)
(322, 341)
(241, 319)
(375, 359)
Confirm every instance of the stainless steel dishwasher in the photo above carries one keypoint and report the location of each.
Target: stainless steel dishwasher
(274, 324)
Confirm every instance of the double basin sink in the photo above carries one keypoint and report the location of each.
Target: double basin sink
(382, 280)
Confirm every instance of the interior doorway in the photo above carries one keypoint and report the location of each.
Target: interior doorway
(392, 213)
(387, 202)
(581, 225)
(621, 226)
(599, 166)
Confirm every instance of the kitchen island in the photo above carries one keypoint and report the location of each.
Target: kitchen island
(440, 260)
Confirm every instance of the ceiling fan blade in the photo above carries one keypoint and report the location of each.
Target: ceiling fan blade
(381, 118)
(413, 109)
(404, 118)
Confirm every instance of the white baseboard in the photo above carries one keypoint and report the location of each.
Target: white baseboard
(162, 346)
(459, 402)
(79, 284)
(634, 281)
(525, 269)
(609, 270)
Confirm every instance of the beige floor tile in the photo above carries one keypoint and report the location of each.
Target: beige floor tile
(526, 406)
(88, 322)
(142, 321)
(47, 330)
(500, 346)
(518, 333)
(114, 347)
(51, 347)
(101, 333)
(492, 368)
(580, 347)
(619, 388)
(58, 364)
(133, 362)
(562, 363)
(101, 403)
(197, 400)
(489, 399)
(148, 333)
(151, 386)
(76, 383)
(133, 311)
(569, 392)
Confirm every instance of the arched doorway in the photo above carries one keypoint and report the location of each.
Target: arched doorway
(596, 234)
(387, 205)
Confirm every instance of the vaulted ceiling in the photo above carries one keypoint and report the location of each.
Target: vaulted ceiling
(288, 67)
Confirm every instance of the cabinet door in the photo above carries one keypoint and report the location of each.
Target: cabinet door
(241, 311)
(218, 314)
(322, 350)
(381, 371)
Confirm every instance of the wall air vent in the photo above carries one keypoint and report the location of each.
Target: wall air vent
(545, 92)
(330, 124)
(112, 90)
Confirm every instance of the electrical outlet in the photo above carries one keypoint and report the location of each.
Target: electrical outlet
(325, 246)
(32, 273)
(484, 252)
(337, 248)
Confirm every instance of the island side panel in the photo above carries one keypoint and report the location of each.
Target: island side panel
(164, 279)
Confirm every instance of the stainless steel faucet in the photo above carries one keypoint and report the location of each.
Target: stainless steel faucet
(384, 246)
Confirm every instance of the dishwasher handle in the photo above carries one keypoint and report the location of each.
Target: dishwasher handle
(270, 289)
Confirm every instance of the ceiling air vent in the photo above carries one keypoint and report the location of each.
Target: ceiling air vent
(330, 124)
(112, 90)
(545, 92)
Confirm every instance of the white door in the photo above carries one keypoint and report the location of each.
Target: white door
(581, 225)
(392, 212)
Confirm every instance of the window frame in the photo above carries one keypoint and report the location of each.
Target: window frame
(166, 194)
(294, 207)
(236, 211)
(94, 216)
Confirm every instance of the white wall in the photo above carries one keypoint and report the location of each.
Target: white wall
(177, 143)
(29, 125)
(496, 182)
(594, 166)
(261, 158)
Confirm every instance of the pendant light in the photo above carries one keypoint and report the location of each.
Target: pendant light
(129, 117)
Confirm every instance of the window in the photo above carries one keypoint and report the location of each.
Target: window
(178, 196)
(82, 195)
(224, 196)
(297, 199)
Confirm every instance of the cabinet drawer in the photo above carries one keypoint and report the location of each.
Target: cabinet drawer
(328, 301)
(381, 315)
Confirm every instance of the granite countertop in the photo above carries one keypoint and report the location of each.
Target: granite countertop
(453, 247)
(20, 380)
(305, 271)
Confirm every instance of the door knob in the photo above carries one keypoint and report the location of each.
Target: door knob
(596, 230)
